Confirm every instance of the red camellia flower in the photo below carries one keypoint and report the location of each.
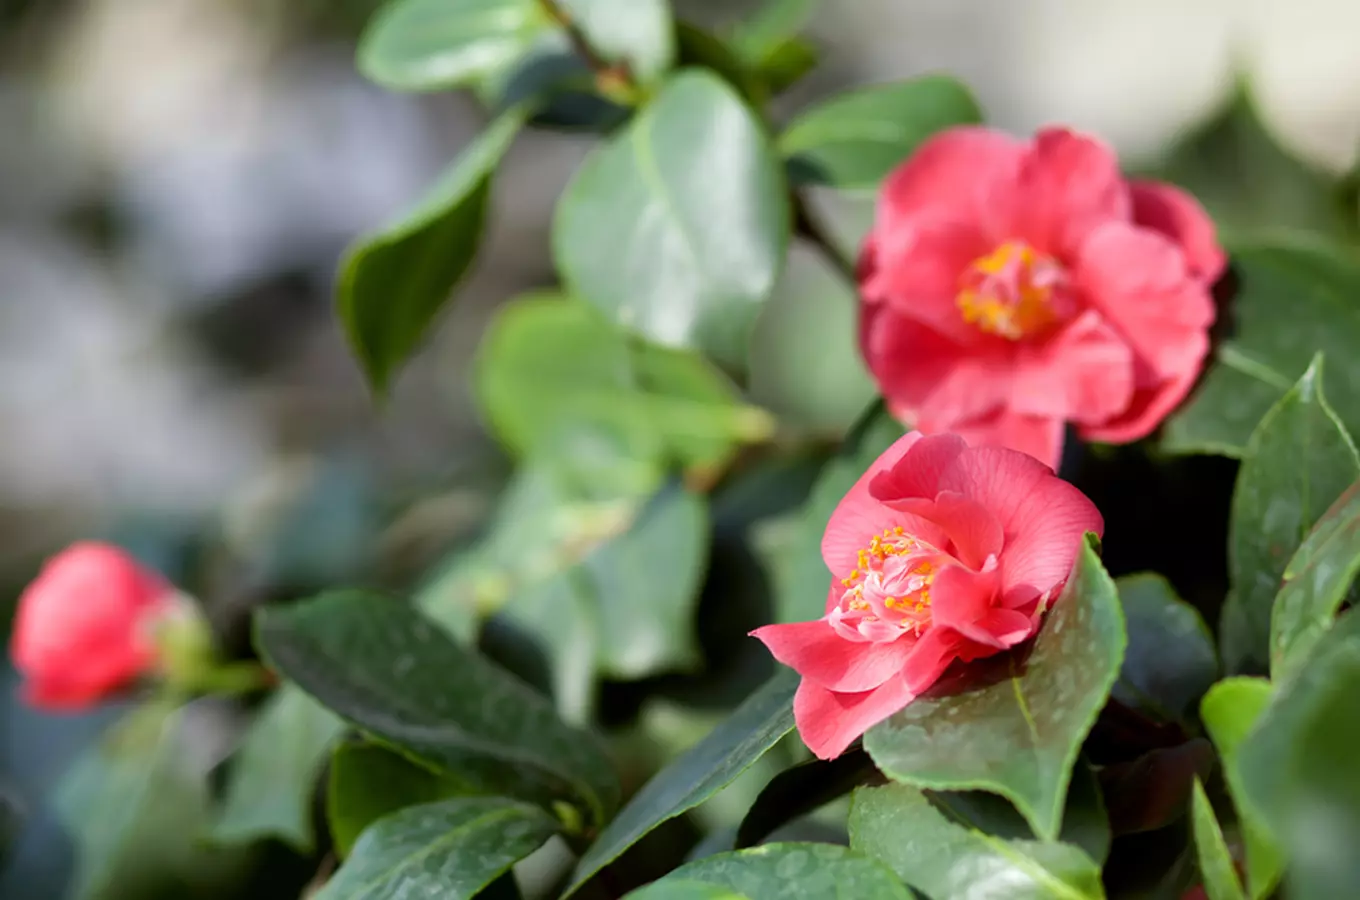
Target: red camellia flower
(1009, 287)
(84, 627)
(939, 552)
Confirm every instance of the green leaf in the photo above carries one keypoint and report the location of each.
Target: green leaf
(1170, 661)
(677, 227)
(1316, 583)
(394, 282)
(1152, 791)
(1019, 737)
(770, 28)
(792, 872)
(274, 772)
(548, 366)
(1215, 862)
(1299, 459)
(136, 806)
(391, 672)
(637, 33)
(430, 45)
(942, 852)
(1296, 299)
(450, 849)
(703, 770)
(854, 140)
(684, 890)
(1298, 770)
(368, 781)
(1230, 710)
(787, 64)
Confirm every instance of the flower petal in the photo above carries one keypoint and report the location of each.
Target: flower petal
(1045, 536)
(828, 721)
(974, 533)
(1039, 438)
(816, 652)
(953, 174)
(933, 654)
(916, 270)
(1179, 216)
(1146, 410)
(1084, 373)
(999, 478)
(959, 598)
(917, 473)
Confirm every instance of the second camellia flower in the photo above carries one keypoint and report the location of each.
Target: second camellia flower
(1009, 287)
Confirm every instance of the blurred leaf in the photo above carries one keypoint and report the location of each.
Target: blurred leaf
(558, 83)
(1316, 583)
(1152, 791)
(1020, 736)
(136, 806)
(1230, 710)
(1299, 459)
(274, 772)
(430, 45)
(699, 48)
(11, 821)
(391, 672)
(549, 366)
(684, 890)
(394, 282)
(450, 849)
(787, 64)
(1215, 862)
(854, 140)
(787, 872)
(941, 851)
(770, 28)
(800, 790)
(1295, 300)
(677, 227)
(703, 770)
(1170, 661)
(1298, 769)
(638, 33)
(368, 781)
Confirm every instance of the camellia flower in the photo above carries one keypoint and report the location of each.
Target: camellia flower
(940, 552)
(87, 626)
(1009, 287)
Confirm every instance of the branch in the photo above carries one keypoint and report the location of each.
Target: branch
(614, 80)
(806, 225)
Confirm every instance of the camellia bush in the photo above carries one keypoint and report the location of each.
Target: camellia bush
(693, 655)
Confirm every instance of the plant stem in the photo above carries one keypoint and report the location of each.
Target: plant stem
(805, 225)
(613, 80)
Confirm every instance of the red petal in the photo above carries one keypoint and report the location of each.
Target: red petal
(1046, 534)
(954, 174)
(974, 533)
(1179, 216)
(1039, 438)
(1146, 411)
(1084, 373)
(828, 722)
(815, 651)
(917, 473)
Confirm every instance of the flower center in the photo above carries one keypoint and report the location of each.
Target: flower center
(888, 593)
(1011, 291)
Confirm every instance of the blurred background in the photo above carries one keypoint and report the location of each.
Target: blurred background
(179, 177)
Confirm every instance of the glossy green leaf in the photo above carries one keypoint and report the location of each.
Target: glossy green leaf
(771, 27)
(1316, 583)
(677, 226)
(1295, 299)
(549, 366)
(450, 849)
(684, 890)
(699, 773)
(1298, 461)
(394, 282)
(1230, 710)
(390, 671)
(1298, 772)
(428, 45)
(854, 140)
(1170, 661)
(1018, 737)
(943, 853)
(368, 781)
(275, 769)
(794, 872)
(1215, 861)
(637, 33)
(787, 64)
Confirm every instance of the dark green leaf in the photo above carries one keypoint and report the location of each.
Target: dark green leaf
(274, 772)
(800, 790)
(391, 672)
(1170, 661)
(1230, 710)
(1215, 862)
(427, 45)
(1019, 737)
(703, 770)
(793, 872)
(368, 781)
(638, 33)
(1298, 768)
(853, 141)
(1296, 299)
(393, 282)
(684, 890)
(702, 49)
(677, 227)
(945, 854)
(787, 64)
(770, 28)
(450, 849)
(1316, 582)
(1152, 791)
(1299, 459)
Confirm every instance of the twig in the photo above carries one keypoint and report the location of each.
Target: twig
(614, 80)
(806, 225)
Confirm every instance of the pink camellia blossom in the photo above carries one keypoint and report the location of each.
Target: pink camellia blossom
(86, 626)
(1009, 287)
(940, 552)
